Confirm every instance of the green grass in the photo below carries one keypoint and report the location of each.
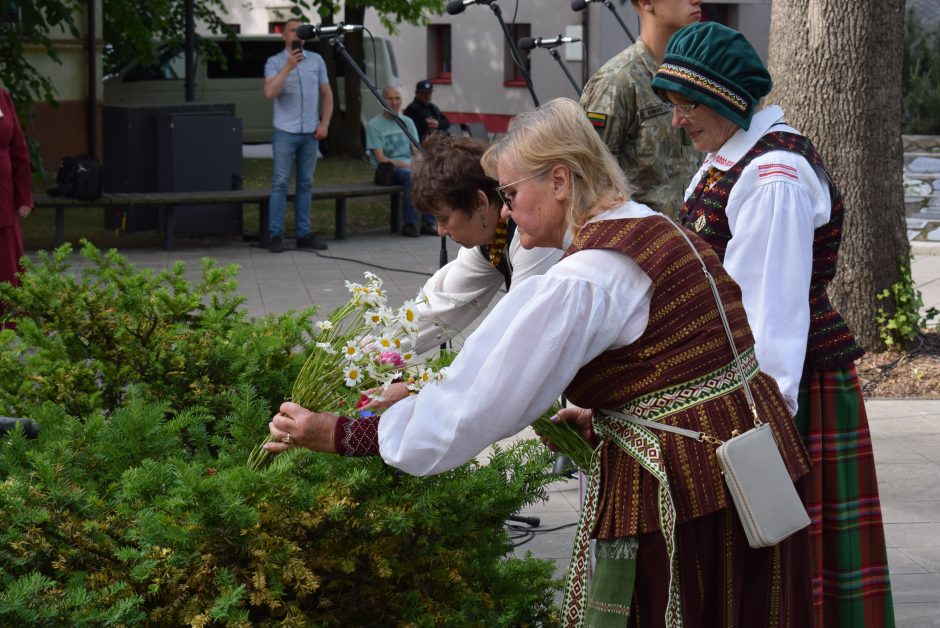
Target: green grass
(364, 215)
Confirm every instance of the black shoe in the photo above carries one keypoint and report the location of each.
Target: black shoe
(427, 229)
(311, 242)
(276, 245)
(409, 230)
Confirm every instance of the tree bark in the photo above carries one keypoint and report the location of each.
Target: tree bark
(837, 69)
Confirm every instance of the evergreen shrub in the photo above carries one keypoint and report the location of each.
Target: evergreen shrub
(83, 337)
(135, 505)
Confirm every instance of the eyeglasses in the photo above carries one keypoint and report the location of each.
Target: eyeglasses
(685, 109)
(507, 198)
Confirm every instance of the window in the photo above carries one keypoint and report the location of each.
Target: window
(249, 64)
(170, 65)
(714, 12)
(439, 65)
(512, 76)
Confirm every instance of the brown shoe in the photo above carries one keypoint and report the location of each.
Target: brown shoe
(409, 230)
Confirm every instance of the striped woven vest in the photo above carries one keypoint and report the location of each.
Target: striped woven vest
(684, 338)
(831, 343)
(675, 372)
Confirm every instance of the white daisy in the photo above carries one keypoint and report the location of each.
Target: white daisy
(324, 325)
(353, 375)
(351, 350)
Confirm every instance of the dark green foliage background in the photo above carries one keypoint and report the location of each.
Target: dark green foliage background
(135, 505)
(921, 81)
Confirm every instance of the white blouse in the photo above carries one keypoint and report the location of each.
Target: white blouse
(461, 290)
(773, 209)
(521, 358)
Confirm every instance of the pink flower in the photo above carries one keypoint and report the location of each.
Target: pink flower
(391, 357)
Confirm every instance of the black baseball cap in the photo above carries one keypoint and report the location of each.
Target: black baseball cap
(424, 86)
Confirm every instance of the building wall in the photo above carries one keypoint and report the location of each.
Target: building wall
(477, 90)
(63, 130)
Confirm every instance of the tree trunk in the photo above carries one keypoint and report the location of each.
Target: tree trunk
(836, 67)
(346, 127)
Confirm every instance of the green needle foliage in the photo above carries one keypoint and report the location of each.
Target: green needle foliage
(134, 506)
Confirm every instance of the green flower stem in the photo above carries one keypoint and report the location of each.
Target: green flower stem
(567, 439)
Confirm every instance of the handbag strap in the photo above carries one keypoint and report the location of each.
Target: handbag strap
(655, 425)
(724, 322)
(699, 436)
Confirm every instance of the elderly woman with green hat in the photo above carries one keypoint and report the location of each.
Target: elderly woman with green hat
(766, 204)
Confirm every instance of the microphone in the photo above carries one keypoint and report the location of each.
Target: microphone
(579, 5)
(310, 31)
(459, 6)
(528, 43)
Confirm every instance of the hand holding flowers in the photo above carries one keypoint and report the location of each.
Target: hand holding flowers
(359, 346)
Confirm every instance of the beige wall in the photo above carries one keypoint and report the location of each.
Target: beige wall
(63, 130)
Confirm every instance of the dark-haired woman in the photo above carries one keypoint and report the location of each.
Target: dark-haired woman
(449, 183)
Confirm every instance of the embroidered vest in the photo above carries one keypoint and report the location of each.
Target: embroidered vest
(504, 267)
(678, 372)
(831, 343)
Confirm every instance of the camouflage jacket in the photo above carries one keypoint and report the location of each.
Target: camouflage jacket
(659, 160)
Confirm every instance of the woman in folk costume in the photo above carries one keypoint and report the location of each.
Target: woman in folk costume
(625, 321)
(16, 196)
(766, 204)
(449, 183)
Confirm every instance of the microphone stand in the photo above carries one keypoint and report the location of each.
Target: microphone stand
(337, 44)
(564, 68)
(613, 9)
(514, 52)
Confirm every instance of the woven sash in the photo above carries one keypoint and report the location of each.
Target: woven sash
(643, 446)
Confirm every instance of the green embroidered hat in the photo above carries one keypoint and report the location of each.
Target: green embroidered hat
(716, 66)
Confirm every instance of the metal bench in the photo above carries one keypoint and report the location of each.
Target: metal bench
(167, 202)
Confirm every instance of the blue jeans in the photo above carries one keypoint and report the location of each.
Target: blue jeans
(409, 213)
(290, 149)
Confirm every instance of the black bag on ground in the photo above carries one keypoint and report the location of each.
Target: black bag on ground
(78, 177)
(385, 174)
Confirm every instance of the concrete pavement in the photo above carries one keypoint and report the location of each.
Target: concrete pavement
(906, 433)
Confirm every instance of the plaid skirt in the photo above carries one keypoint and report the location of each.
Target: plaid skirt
(850, 580)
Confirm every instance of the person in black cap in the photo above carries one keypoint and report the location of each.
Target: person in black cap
(425, 114)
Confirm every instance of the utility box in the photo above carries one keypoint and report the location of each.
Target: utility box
(201, 153)
(132, 155)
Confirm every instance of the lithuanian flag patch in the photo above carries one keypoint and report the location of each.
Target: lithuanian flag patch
(599, 120)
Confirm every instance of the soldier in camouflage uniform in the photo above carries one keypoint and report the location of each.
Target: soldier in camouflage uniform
(633, 120)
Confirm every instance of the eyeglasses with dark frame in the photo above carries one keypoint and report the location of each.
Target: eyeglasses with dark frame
(506, 198)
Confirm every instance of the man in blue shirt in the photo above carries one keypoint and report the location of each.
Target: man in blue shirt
(386, 142)
(296, 80)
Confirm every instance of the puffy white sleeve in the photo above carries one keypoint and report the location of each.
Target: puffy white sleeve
(772, 212)
(516, 364)
(530, 262)
(460, 291)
